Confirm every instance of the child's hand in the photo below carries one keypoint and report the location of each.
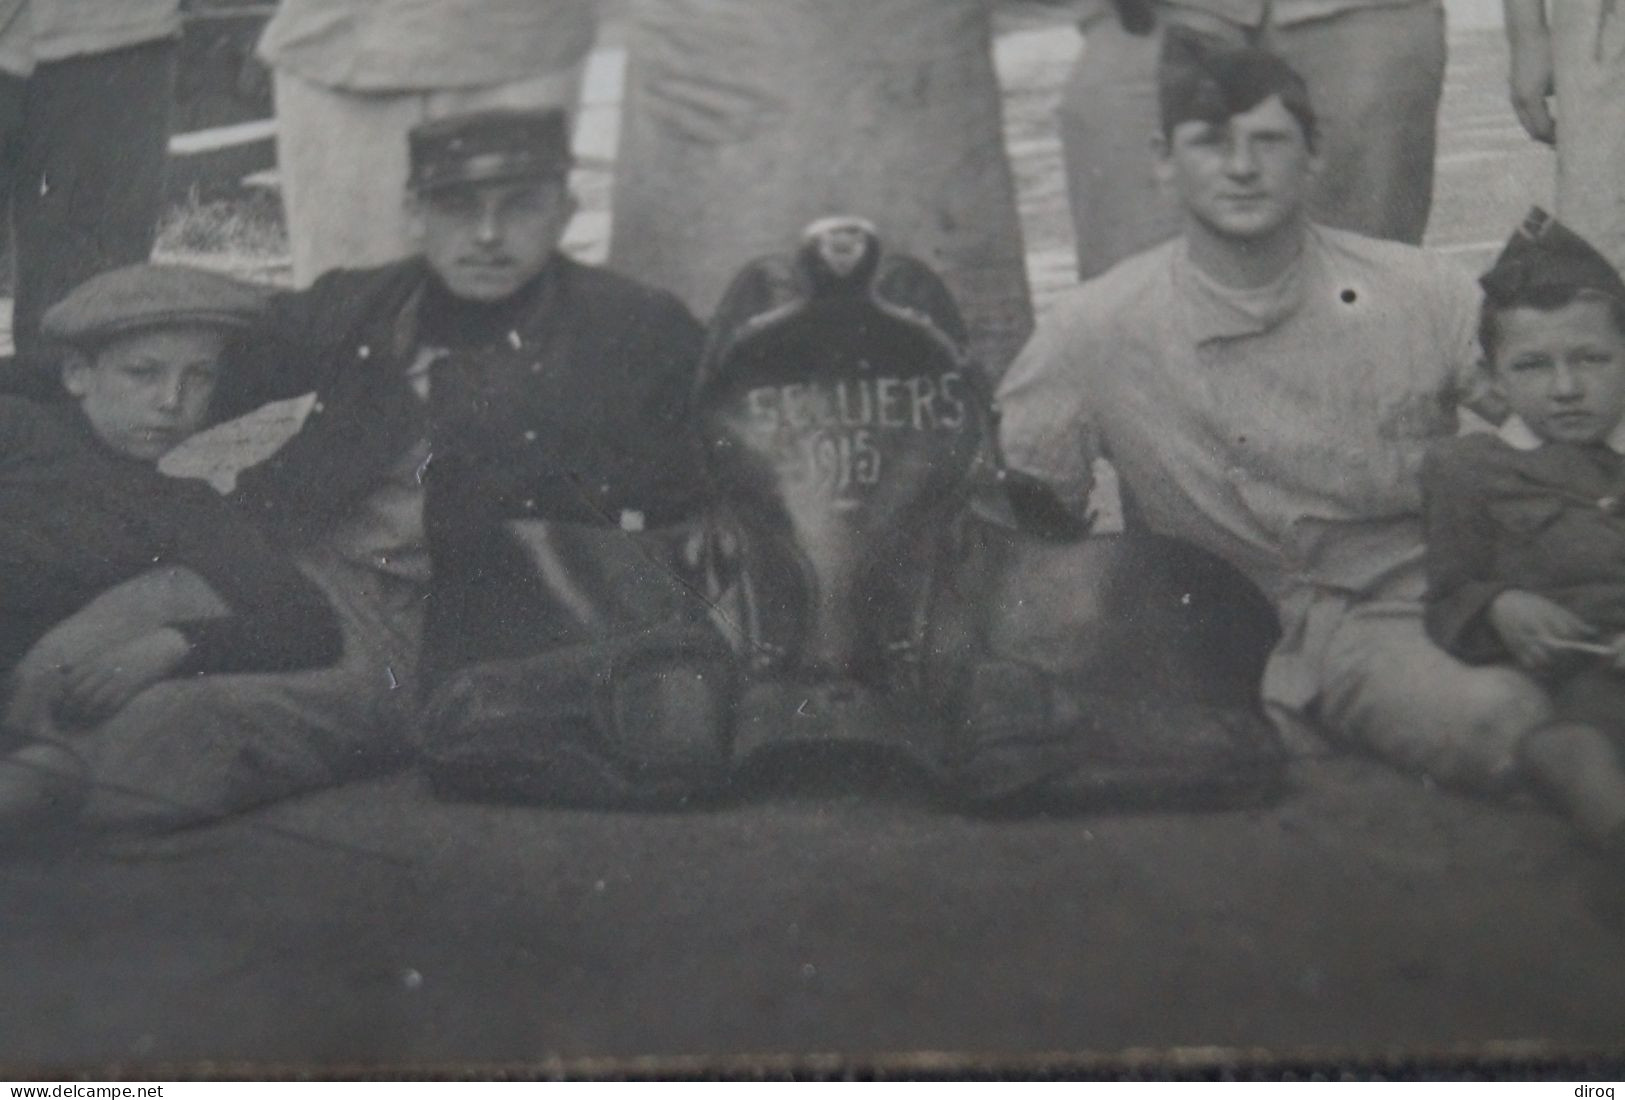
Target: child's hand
(1533, 627)
(95, 690)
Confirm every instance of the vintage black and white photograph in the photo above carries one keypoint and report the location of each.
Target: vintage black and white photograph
(787, 537)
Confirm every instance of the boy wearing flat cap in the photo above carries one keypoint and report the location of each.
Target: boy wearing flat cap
(1526, 526)
(113, 576)
(1266, 388)
(495, 440)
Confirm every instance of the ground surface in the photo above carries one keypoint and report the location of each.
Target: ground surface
(1365, 913)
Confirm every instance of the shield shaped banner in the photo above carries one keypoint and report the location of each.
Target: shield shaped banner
(840, 430)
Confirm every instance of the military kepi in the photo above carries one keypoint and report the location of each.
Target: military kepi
(489, 147)
(1544, 256)
(144, 296)
(1205, 79)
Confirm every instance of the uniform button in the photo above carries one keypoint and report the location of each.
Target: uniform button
(530, 505)
(363, 352)
(530, 437)
(514, 341)
(317, 408)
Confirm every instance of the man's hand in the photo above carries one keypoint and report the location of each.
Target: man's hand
(1534, 628)
(1531, 74)
(97, 689)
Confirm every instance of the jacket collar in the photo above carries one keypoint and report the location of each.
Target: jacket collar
(1218, 312)
(519, 320)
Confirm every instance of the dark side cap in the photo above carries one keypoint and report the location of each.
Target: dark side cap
(1544, 256)
(1205, 79)
(489, 146)
(144, 296)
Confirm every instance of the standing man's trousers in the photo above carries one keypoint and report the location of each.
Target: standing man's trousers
(1588, 56)
(83, 143)
(1375, 77)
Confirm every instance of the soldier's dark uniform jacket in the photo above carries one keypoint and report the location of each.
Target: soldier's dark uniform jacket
(564, 403)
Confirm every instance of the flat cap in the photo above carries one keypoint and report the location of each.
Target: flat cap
(1205, 79)
(144, 296)
(1544, 256)
(489, 146)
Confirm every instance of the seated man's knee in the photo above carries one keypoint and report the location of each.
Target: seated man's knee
(1501, 698)
(1500, 707)
(146, 766)
(184, 752)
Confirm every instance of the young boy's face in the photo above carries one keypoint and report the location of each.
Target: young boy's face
(1563, 370)
(147, 391)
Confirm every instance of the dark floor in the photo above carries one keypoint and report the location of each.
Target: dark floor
(1365, 913)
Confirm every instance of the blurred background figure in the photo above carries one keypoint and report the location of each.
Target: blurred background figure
(353, 76)
(1375, 70)
(85, 92)
(744, 119)
(1576, 51)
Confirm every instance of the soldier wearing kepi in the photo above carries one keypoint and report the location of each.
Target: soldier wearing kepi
(486, 382)
(1266, 388)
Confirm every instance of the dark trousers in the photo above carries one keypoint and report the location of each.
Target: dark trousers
(1595, 696)
(83, 143)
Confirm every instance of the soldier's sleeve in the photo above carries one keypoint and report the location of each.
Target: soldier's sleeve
(673, 482)
(277, 619)
(281, 356)
(1045, 427)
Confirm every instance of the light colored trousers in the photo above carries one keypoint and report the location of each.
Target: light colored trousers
(1375, 77)
(191, 750)
(1386, 687)
(1588, 54)
(342, 159)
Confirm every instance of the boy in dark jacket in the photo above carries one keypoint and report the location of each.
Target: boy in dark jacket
(1526, 527)
(113, 576)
